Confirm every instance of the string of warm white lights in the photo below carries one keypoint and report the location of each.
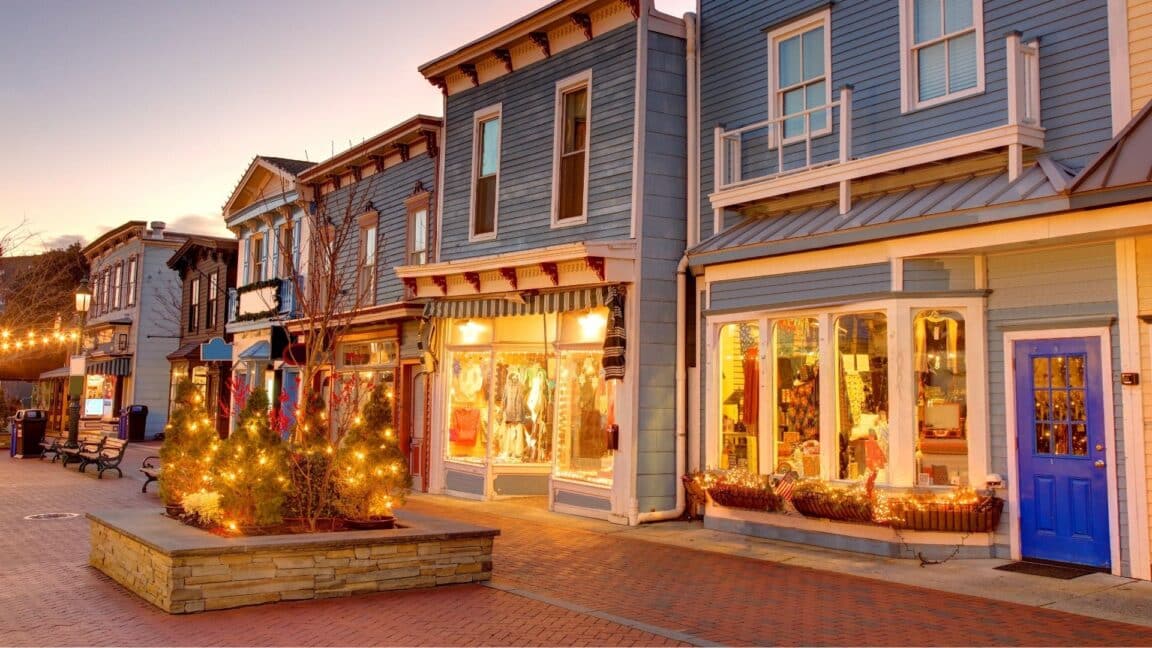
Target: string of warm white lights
(27, 340)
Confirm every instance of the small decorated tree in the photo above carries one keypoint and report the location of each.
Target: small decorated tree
(310, 463)
(252, 468)
(190, 444)
(372, 472)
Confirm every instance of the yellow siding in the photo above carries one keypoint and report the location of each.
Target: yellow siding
(1144, 299)
(1140, 51)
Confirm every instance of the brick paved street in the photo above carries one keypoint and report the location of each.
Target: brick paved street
(555, 584)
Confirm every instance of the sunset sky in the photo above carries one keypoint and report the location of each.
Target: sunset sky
(118, 110)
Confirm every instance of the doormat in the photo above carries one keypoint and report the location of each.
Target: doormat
(1063, 572)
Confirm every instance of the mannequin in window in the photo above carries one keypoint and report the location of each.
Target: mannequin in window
(592, 440)
(514, 415)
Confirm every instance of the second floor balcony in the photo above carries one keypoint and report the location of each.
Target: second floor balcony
(810, 149)
(262, 300)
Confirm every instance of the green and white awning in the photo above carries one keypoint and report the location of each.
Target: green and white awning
(109, 367)
(524, 304)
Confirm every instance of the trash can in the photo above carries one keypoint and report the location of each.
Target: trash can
(136, 418)
(28, 427)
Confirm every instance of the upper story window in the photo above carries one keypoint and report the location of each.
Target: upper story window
(104, 301)
(256, 254)
(485, 172)
(213, 300)
(287, 250)
(570, 166)
(417, 208)
(368, 227)
(194, 306)
(943, 50)
(131, 291)
(799, 88)
(117, 285)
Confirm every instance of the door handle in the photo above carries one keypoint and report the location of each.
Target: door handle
(1099, 463)
(1099, 447)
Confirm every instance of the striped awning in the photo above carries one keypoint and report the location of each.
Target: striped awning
(109, 367)
(533, 304)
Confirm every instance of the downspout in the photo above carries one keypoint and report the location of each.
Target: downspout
(682, 282)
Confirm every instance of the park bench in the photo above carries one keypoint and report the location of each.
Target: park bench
(151, 470)
(87, 442)
(107, 457)
(53, 443)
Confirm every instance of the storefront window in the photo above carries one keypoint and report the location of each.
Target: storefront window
(585, 409)
(468, 405)
(739, 395)
(351, 392)
(98, 394)
(862, 396)
(521, 399)
(941, 398)
(797, 344)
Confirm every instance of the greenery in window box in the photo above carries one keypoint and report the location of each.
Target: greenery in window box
(738, 488)
(257, 285)
(252, 317)
(372, 472)
(960, 510)
(818, 498)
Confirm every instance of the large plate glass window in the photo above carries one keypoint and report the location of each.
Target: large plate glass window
(740, 396)
(941, 398)
(862, 396)
(585, 402)
(797, 379)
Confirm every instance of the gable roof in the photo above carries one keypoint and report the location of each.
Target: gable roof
(1125, 162)
(184, 255)
(261, 166)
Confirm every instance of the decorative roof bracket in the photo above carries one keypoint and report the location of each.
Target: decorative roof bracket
(473, 278)
(469, 70)
(505, 57)
(540, 39)
(441, 282)
(596, 264)
(583, 21)
(549, 268)
(509, 275)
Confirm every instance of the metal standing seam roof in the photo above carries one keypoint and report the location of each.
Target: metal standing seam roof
(922, 208)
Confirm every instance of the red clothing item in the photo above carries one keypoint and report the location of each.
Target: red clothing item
(751, 386)
(465, 426)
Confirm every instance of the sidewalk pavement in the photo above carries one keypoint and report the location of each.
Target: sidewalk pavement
(1101, 596)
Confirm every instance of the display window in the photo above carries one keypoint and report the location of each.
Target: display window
(941, 379)
(796, 345)
(862, 396)
(351, 391)
(468, 405)
(585, 413)
(98, 394)
(740, 394)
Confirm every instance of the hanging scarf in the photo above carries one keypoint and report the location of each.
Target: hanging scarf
(614, 338)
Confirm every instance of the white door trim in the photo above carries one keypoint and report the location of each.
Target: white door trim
(1103, 334)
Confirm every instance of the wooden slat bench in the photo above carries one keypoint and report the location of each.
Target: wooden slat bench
(52, 444)
(87, 442)
(107, 457)
(151, 470)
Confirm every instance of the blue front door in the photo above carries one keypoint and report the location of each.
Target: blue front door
(1060, 441)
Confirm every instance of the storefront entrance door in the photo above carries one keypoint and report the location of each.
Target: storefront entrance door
(1060, 438)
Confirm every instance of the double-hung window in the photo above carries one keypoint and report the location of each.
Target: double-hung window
(570, 166)
(485, 172)
(368, 225)
(943, 50)
(287, 258)
(799, 56)
(256, 252)
(417, 208)
(194, 306)
(212, 302)
(131, 291)
(117, 284)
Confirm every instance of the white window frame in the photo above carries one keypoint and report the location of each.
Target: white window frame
(211, 304)
(495, 111)
(909, 80)
(775, 96)
(117, 285)
(563, 87)
(194, 319)
(256, 253)
(369, 241)
(131, 296)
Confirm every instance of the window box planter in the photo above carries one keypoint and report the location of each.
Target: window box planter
(832, 505)
(745, 497)
(980, 517)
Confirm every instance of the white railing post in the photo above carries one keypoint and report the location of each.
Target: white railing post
(720, 155)
(845, 123)
(1012, 60)
(1032, 72)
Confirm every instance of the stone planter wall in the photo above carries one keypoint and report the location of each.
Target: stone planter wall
(181, 569)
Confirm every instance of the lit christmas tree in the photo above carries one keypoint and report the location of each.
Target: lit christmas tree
(252, 468)
(190, 444)
(372, 472)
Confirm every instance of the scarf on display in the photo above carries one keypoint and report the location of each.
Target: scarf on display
(614, 337)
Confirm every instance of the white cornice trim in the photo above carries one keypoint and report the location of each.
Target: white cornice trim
(985, 140)
(623, 250)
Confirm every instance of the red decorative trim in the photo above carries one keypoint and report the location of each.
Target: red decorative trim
(633, 6)
(377, 160)
(403, 148)
(441, 282)
(597, 265)
(509, 274)
(469, 70)
(549, 268)
(409, 287)
(540, 39)
(505, 57)
(583, 21)
(473, 278)
(418, 189)
(439, 82)
(355, 173)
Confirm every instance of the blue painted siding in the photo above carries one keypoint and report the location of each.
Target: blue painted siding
(662, 234)
(528, 97)
(799, 287)
(934, 275)
(386, 192)
(866, 53)
(1025, 290)
(525, 184)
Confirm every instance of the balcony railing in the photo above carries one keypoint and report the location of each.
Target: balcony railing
(771, 149)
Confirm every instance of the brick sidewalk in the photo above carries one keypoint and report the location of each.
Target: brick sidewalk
(553, 585)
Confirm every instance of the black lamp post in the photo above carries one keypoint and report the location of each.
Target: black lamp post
(83, 302)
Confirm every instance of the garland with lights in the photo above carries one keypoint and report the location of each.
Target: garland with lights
(33, 339)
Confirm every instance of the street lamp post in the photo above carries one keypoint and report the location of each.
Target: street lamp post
(83, 302)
